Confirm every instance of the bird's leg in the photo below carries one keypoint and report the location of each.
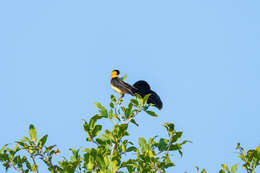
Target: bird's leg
(121, 96)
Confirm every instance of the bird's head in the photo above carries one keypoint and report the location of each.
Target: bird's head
(115, 73)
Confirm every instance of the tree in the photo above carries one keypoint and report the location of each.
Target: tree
(113, 151)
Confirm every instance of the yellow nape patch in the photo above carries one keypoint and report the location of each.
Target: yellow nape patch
(114, 74)
(116, 89)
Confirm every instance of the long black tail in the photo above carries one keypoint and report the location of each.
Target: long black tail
(143, 88)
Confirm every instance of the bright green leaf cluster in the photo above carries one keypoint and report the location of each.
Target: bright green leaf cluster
(251, 158)
(225, 169)
(111, 150)
(13, 158)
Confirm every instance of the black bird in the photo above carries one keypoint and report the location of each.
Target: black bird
(120, 86)
(143, 88)
(140, 87)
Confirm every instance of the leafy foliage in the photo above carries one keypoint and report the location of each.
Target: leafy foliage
(251, 158)
(114, 152)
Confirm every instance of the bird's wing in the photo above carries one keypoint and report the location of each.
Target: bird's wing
(141, 84)
(155, 99)
(143, 88)
(123, 86)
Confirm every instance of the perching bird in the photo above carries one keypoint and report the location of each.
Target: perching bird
(140, 87)
(143, 88)
(120, 86)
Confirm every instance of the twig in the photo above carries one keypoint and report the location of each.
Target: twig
(47, 161)
(242, 153)
(34, 162)
(17, 169)
(128, 120)
(167, 151)
(118, 109)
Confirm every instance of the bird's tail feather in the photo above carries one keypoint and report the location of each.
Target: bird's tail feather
(143, 88)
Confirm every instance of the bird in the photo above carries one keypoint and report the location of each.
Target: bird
(120, 86)
(140, 87)
(143, 88)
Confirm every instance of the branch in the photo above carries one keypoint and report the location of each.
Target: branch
(137, 112)
(113, 150)
(34, 162)
(167, 151)
(47, 161)
(242, 153)
(117, 111)
(17, 169)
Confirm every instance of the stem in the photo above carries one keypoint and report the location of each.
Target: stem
(113, 149)
(49, 164)
(241, 152)
(167, 151)
(117, 112)
(137, 112)
(34, 162)
(17, 169)
(47, 161)
(120, 100)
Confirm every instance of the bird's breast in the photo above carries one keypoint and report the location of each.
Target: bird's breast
(116, 89)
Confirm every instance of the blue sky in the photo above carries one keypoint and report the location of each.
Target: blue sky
(202, 57)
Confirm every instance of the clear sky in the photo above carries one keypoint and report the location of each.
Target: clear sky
(202, 58)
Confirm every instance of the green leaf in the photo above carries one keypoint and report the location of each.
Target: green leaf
(86, 126)
(32, 133)
(170, 164)
(3, 148)
(109, 135)
(115, 116)
(123, 109)
(111, 105)
(169, 127)
(113, 98)
(146, 98)
(135, 102)
(26, 139)
(174, 147)
(203, 171)
(34, 167)
(23, 144)
(224, 166)
(134, 122)
(76, 155)
(258, 151)
(102, 109)
(152, 113)
(163, 143)
(47, 149)
(140, 99)
(42, 141)
(132, 148)
(141, 141)
(93, 120)
(142, 144)
(124, 77)
(197, 169)
(241, 157)
(238, 146)
(185, 141)
(176, 137)
(90, 165)
(110, 115)
(234, 168)
(100, 141)
(96, 130)
(128, 111)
